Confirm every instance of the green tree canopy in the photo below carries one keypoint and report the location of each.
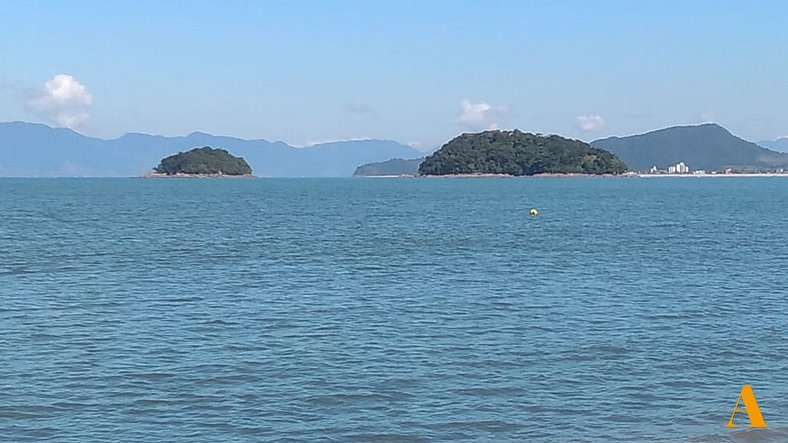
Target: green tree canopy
(205, 160)
(519, 153)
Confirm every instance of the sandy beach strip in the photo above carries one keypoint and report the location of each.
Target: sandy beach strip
(763, 174)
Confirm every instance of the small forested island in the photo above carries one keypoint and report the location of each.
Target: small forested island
(518, 153)
(395, 167)
(202, 162)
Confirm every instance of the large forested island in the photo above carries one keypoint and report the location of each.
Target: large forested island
(205, 161)
(518, 153)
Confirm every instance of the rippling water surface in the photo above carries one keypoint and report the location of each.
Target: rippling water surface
(391, 310)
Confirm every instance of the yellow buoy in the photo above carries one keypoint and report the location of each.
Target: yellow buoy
(534, 212)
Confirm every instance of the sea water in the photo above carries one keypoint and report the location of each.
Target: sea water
(392, 310)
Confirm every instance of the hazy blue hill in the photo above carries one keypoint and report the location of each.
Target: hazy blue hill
(143, 150)
(28, 149)
(395, 166)
(779, 145)
(31, 149)
(707, 146)
(335, 156)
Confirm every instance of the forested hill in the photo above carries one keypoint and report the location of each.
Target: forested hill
(519, 153)
(204, 161)
(708, 146)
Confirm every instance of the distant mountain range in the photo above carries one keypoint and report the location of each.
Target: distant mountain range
(707, 146)
(37, 150)
(395, 166)
(779, 145)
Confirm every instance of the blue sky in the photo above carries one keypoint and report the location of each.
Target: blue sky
(414, 71)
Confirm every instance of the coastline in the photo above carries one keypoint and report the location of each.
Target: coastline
(543, 175)
(754, 174)
(573, 175)
(480, 175)
(182, 175)
(385, 176)
(451, 176)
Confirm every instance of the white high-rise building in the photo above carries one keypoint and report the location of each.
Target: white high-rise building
(678, 168)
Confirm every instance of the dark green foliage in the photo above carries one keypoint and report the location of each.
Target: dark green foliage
(519, 153)
(204, 160)
(395, 166)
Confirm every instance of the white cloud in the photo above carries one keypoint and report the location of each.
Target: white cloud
(708, 117)
(480, 115)
(591, 122)
(64, 100)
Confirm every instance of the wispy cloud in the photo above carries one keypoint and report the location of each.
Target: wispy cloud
(310, 143)
(708, 117)
(12, 89)
(481, 115)
(8, 83)
(421, 146)
(63, 100)
(638, 114)
(591, 122)
(360, 110)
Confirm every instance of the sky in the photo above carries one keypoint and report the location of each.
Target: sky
(419, 72)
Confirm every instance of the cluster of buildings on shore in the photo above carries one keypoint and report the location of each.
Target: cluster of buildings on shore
(678, 168)
(683, 168)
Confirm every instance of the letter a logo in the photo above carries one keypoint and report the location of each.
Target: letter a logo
(750, 407)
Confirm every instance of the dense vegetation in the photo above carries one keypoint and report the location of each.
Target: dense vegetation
(519, 153)
(709, 146)
(396, 166)
(204, 160)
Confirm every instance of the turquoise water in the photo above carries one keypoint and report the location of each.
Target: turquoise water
(392, 310)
